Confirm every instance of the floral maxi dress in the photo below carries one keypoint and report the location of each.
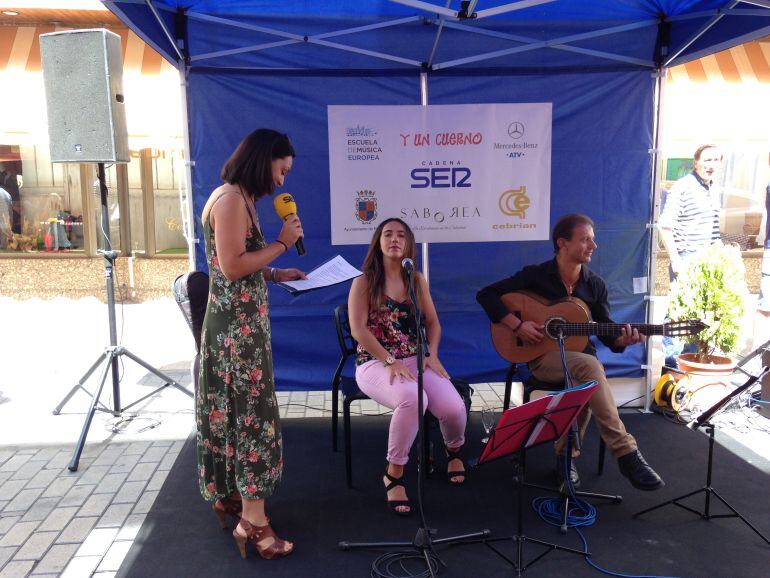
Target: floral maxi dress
(239, 432)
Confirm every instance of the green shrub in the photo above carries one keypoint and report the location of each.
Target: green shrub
(712, 288)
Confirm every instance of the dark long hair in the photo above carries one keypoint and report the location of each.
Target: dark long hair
(373, 268)
(250, 165)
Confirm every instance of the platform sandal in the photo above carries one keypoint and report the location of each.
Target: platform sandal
(255, 535)
(225, 507)
(393, 505)
(457, 477)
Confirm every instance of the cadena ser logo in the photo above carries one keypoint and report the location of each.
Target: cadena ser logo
(366, 206)
(515, 202)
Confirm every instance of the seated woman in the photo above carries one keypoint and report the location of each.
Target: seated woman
(382, 322)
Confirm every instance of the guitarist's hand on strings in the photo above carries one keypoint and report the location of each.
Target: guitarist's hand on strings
(629, 336)
(530, 332)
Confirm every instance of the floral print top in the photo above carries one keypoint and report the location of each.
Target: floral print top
(393, 326)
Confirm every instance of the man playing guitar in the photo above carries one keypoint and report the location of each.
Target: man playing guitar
(564, 276)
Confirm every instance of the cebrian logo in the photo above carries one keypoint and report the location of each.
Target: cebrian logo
(515, 202)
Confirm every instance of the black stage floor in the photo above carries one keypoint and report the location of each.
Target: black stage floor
(181, 537)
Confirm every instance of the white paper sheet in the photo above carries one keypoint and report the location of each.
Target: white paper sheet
(334, 271)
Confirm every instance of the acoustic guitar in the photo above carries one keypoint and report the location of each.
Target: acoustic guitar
(570, 317)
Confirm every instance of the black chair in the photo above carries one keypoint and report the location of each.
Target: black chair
(346, 384)
(531, 383)
(191, 293)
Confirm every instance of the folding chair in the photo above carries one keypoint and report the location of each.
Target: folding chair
(191, 293)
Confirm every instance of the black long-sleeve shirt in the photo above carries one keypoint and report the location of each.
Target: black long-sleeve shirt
(545, 281)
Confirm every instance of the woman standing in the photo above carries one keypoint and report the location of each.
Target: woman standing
(239, 432)
(382, 322)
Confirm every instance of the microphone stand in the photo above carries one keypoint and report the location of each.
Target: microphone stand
(704, 421)
(423, 540)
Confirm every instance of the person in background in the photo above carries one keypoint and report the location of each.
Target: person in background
(9, 182)
(382, 322)
(6, 208)
(690, 221)
(568, 275)
(240, 459)
(763, 305)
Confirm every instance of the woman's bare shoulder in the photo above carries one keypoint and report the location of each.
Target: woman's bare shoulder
(359, 283)
(226, 196)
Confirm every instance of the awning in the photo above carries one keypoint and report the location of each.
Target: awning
(20, 50)
(747, 62)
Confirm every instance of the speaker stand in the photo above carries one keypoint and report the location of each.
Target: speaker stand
(109, 358)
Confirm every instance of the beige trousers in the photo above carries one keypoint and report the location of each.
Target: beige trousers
(582, 368)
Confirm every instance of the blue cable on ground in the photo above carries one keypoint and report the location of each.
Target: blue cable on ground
(581, 513)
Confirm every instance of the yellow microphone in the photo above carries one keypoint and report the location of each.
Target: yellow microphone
(285, 206)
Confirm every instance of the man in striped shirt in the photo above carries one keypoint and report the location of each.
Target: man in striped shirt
(690, 221)
(690, 217)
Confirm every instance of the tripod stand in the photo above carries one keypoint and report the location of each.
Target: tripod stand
(565, 490)
(708, 490)
(109, 358)
(423, 541)
(529, 425)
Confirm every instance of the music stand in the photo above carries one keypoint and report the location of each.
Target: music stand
(532, 424)
(703, 421)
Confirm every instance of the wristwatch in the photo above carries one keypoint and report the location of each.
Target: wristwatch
(389, 360)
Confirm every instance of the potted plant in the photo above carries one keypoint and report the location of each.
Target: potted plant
(712, 288)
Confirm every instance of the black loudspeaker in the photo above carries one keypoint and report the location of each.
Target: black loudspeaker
(83, 74)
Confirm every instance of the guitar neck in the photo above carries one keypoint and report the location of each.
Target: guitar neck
(610, 329)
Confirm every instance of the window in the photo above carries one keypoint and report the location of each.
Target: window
(41, 203)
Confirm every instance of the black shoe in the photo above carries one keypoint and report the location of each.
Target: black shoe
(561, 466)
(639, 473)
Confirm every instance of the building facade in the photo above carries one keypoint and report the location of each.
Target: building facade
(50, 213)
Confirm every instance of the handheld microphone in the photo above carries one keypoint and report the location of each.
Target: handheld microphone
(408, 266)
(285, 206)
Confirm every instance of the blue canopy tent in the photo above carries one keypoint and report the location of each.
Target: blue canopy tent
(251, 63)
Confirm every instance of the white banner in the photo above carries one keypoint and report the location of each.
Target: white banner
(455, 173)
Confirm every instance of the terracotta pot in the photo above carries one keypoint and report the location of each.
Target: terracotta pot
(717, 365)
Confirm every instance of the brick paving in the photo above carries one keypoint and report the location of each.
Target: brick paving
(54, 522)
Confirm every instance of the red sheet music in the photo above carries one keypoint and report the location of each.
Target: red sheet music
(537, 422)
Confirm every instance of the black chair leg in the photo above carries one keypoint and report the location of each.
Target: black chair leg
(335, 418)
(508, 386)
(427, 448)
(348, 449)
(602, 451)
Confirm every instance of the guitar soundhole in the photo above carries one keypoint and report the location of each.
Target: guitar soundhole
(553, 327)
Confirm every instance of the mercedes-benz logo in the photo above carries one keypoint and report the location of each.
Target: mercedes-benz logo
(515, 130)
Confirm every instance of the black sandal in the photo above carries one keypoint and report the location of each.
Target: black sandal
(394, 504)
(457, 477)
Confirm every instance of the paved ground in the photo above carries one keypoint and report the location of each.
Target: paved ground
(57, 522)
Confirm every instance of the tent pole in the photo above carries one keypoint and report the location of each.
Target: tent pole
(703, 29)
(189, 207)
(183, 66)
(424, 102)
(655, 198)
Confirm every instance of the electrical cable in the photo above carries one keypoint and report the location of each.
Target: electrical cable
(580, 513)
(383, 566)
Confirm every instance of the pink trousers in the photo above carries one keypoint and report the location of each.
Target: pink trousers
(439, 397)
